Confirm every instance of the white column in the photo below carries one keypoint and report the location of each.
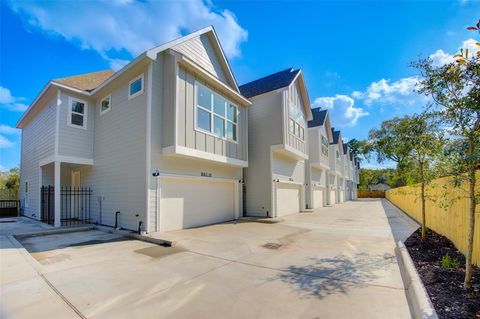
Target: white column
(57, 194)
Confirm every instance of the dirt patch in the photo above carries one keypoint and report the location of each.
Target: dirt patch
(273, 246)
(50, 259)
(444, 286)
(159, 251)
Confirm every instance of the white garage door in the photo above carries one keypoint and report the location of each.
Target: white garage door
(333, 197)
(288, 199)
(317, 197)
(189, 203)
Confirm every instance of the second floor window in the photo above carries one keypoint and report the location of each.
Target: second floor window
(77, 113)
(105, 105)
(296, 123)
(324, 146)
(215, 114)
(135, 87)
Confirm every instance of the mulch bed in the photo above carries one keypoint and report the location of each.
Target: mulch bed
(444, 286)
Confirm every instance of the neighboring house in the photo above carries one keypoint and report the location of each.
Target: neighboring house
(278, 142)
(318, 165)
(335, 176)
(163, 141)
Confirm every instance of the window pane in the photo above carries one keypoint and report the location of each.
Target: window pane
(136, 86)
(292, 126)
(231, 131)
(219, 126)
(203, 119)
(78, 107)
(204, 97)
(232, 112)
(218, 105)
(77, 119)
(105, 104)
(302, 133)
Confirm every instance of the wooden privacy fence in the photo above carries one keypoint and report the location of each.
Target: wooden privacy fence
(447, 210)
(371, 194)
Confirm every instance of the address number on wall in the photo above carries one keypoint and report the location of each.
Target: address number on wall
(206, 174)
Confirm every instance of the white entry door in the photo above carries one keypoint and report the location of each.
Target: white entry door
(288, 199)
(186, 203)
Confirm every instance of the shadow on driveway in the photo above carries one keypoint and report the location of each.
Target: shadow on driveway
(326, 276)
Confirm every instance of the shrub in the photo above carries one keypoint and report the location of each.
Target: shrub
(449, 263)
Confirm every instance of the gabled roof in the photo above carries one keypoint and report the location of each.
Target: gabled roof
(336, 136)
(269, 83)
(86, 82)
(90, 83)
(319, 117)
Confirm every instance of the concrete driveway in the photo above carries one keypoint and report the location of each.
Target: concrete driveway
(336, 262)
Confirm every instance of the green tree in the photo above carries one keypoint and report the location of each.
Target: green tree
(425, 142)
(385, 143)
(455, 90)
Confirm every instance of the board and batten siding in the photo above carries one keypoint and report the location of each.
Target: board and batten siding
(188, 136)
(264, 130)
(292, 95)
(74, 141)
(200, 50)
(38, 142)
(118, 173)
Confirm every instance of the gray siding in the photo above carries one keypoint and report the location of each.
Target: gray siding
(38, 142)
(188, 136)
(73, 141)
(286, 168)
(264, 116)
(119, 167)
(201, 51)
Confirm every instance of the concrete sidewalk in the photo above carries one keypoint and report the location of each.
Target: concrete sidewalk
(336, 262)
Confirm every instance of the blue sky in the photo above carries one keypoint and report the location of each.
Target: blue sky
(355, 55)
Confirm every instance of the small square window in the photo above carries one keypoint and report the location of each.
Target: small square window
(105, 104)
(135, 87)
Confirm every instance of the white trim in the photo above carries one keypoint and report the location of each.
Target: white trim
(196, 177)
(65, 159)
(70, 88)
(213, 114)
(289, 151)
(70, 112)
(57, 120)
(57, 199)
(148, 141)
(190, 152)
(109, 97)
(140, 77)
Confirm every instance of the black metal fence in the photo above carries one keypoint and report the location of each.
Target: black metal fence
(74, 205)
(9, 207)
(47, 204)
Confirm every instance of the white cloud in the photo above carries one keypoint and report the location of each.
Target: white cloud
(388, 92)
(5, 129)
(5, 143)
(118, 28)
(342, 109)
(441, 57)
(10, 102)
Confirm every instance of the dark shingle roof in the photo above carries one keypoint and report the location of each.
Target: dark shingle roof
(336, 135)
(269, 83)
(319, 117)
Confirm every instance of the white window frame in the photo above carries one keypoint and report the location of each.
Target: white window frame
(26, 186)
(109, 97)
(141, 77)
(70, 112)
(213, 114)
(301, 126)
(324, 146)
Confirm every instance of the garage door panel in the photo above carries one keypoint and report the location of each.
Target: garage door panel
(189, 203)
(288, 199)
(317, 197)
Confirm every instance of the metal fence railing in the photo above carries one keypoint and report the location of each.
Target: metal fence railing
(75, 205)
(9, 207)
